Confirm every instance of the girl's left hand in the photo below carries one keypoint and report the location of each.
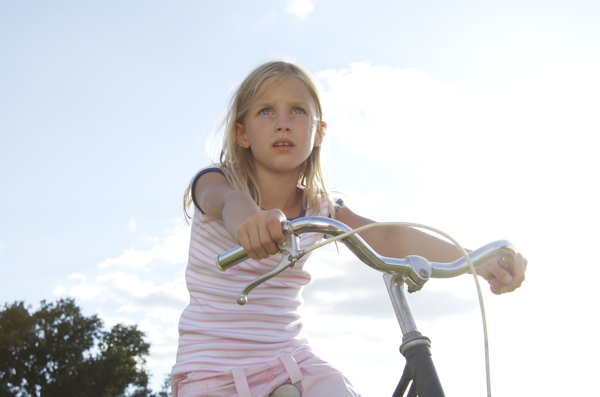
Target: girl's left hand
(504, 276)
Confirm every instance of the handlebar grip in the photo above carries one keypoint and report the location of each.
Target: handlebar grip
(230, 258)
(236, 255)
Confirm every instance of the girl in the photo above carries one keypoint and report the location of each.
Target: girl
(269, 172)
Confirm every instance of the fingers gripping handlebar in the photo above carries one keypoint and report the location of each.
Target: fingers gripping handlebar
(289, 250)
(414, 270)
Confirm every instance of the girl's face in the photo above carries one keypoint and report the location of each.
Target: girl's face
(281, 127)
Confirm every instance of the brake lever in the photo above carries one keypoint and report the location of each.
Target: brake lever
(290, 254)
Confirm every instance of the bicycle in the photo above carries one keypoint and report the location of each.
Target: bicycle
(419, 377)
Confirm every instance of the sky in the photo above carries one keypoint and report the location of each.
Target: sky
(475, 117)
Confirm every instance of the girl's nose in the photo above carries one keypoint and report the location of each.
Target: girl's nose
(283, 123)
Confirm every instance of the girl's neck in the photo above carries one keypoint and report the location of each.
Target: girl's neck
(280, 191)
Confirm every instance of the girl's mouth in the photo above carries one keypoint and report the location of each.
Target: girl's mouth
(283, 147)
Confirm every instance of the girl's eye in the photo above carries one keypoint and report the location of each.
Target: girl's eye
(298, 111)
(265, 111)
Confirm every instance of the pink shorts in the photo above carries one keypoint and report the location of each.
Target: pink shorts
(311, 375)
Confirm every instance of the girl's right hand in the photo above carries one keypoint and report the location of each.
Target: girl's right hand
(261, 234)
(258, 232)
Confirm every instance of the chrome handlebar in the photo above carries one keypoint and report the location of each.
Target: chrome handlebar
(415, 271)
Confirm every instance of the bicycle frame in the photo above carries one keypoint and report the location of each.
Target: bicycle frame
(414, 271)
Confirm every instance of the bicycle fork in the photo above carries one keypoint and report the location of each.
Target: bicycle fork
(415, 347)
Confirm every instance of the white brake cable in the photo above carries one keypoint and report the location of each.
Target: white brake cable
(464, 254)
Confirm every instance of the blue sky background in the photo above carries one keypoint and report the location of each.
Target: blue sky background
(477, 117)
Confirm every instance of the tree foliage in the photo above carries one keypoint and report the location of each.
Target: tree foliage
(57, 351)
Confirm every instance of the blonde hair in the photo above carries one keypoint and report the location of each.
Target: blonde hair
(237, 163)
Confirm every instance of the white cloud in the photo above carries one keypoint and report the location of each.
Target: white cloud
(402, 116)
(410, 120)
(147, 238)
(112, 320)
(153, 300)
(130, 292)
(343, 286)
(300, 7)
(60, 290)
(515, 162)
(359, 200)
(325, 263)
(80, 288)
(501, 157)
(173, 250)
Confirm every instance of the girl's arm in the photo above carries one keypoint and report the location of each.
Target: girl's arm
(256, 230)
(401, 241)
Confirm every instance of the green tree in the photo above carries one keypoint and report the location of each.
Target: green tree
(57, 351)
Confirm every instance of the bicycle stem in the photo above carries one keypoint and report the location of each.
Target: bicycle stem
(395, 287)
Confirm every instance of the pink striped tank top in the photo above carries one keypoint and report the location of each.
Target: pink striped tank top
(215, 333)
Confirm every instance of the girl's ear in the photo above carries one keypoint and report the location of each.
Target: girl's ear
(241, 137)
(321, 130)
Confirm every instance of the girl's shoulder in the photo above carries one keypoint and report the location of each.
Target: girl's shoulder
(337, 203)
(209, 168)
(330, 204)
(218, 168)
